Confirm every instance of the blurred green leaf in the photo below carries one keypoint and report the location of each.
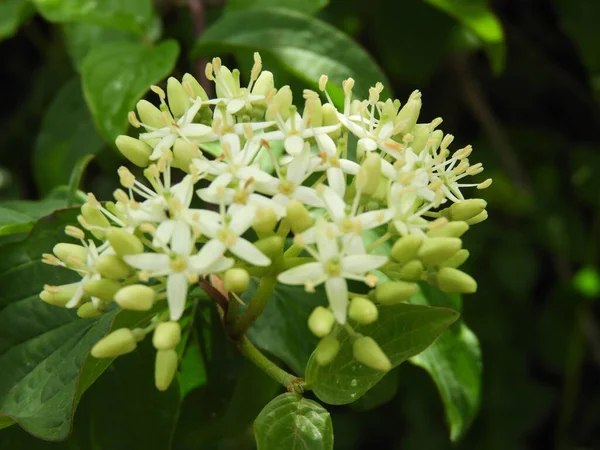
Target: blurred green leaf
(67, 134)
(304, 6)
(19, 216)
(478, 17)
(291, 422)
(192, 373)
(305, 46)
(379, 394)
(587, 282)
(116, 75)
(402, 331)
(131, 15)
(12, 14)
(75, 179)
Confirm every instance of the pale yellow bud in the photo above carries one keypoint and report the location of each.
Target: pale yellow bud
(298, 216)
(66, 252)
(88, 311)
(104, 289)
(371, 168)
(113, 267)
(321, 321)
(123, 242)
(196, 88)
(271, 246)
(183, 154)
(236, 280)
(166, 335)
(264, 83)
(451, 229)
(280, 104)
(165, 368)
(265, 221)
(411, 271)
(93, 216)
(435, 140)
(454, 280)
(327, 349)
(117, 343)
(421, 133)
(368, 352)
(467, 209)
(178, 98)
(406, 248)
(150, 114)
(362, 310)
(394, 292)
(407, 117)
(136, 297)
(134, 150)
(313, 112)
(438, 249)
(59, 295)
(329, 117)
(483, 215)
(457, 259)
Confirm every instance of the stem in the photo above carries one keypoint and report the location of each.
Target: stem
(255, 308)
(293, 251)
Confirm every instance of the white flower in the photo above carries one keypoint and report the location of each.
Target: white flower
(179, 266)
(332, 267)
(334, 166)
(88, 272)
(411, 172)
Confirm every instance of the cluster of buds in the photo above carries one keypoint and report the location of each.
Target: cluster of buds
(294, 194)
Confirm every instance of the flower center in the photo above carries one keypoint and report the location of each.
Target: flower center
(178, 263)
(286, 187)
(333, 267)
(346, 225)
(227, 237)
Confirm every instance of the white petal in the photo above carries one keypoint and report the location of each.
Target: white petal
(210, 252)
(387, 169)
(184, 191)
(164, 144)
(326, 240)
(209, 223)
(362, 263)
(301, 274)
(368, 144)
(336, 181)
(177, 286)
(238, 128)
(220, 265)
(318, 131)
(152, 262)
(373, 219)
(260, 176)
(310, 236)
(337, 294)
(233, 140)
(197, 131)
(164, 232)
(354, 244)
(354, 128)
(235, 105)
(297, 168)
(293, 144)
(308, 195)
(261, 200)
(181, 242)
(76, 298)
(248, 252)
(241, 221)
(326, 144)
(334, 203)
(349, 167)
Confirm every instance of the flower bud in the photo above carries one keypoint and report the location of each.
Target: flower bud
(134, 150)
(326, 350)
(363, 310)
(313, 112)
(421, 133)
(368, 352)
(117, 343)
(451, 229)
(265, 221)
(298, 216)
(478, 218)
(281, 103)
(228, 83)
(321, 321)
(438, 249)
(123, 242)
(196, 88)
(150, 114)
(166, 335)
(93, 216)
(59, 295)
(66, 252)
(88, 311)
(271, 247)
(104, 288)
(394, 292)
(178, 98)
(407, 116)
(454, 280)
(236, 280)
(136, 297)
(411, 271)
(183, 154)
(457, 260)
(139, 334)
(467, 209)
(264, 83)
(165, 368)
(113, 267)
(330, 117)
(371, 168)
(406, 248)
(435, 140)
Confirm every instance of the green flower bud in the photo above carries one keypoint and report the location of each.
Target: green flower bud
(467, 209)
(59, 295)
(313, 112)
(150, 114)
(330, 117)
(104, 289)
(271, 246)
(183, 154)
(321, 321)
(298, 216)
(281, 103)
(368, 352)
(136, 297)
(236, 280)
(265, 221)
(371, 168)
(421, 133)
(113, 267)
(264, 83)
(94, 217)
(438, 249)
(117, 343)
(451, 229)
(178, 98)
(88, 311)
(406, 248)
(196, 88)
(363, 310)
(408, 115)
(165, 368)
(227, 78)
(394, 292)
(66, 252)
(123, 242)
(134, 150)
(435, 140)
(166, 335)
(478, 218)
(326, 350)
(139, 334)
(411, 271)
(457, 260)
(454, 280)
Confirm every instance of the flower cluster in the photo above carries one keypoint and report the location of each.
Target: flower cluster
(264, 188)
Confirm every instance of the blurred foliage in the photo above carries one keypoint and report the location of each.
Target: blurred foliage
(520, 80)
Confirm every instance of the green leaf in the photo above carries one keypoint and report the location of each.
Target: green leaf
(12, 14)
(116, 75)
(587, 282)
(305, 46)
(75, 179)
(67, 134)
(192, 373)
(131, 15)
(379, 394)
(19, 216)
(402, 331)
(477, 16)
(6, 422)
(454, 363)
(291, 422)
(304, 6)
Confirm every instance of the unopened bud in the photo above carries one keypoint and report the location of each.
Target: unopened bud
(195, 87)
(265, 220)
(438, 249)
(165, 368)
(112, 266)
(298, 216)
(134, 150)
(454, 280)
(421, 133)
(123, 242)
(483, 215)
(313, 112)
(183, 154)
(271, 246)
(66, 252)
(321, 321)
(280, 104)
(104, 289)
(406, 248)
(457, 260)
(394, 292)
(178, 98)
(363, 310)
(467, 209)
(117, 343)
(150, 114)
(451, 229)
(59, 295)
(411, 271)
(435, 140)
(368, 352)
(88, 311)
(94, 217)
(264, 83)
(329, 114)
(372, 173)
(407, 116)
(166, 335)
(236, 280)
(327, 349)
(136, 297)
